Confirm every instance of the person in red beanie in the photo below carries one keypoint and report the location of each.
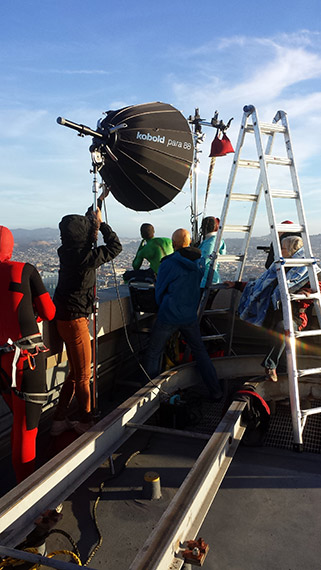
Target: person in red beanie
(24, 300)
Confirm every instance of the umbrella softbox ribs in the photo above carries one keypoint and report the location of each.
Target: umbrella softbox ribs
(147, 153)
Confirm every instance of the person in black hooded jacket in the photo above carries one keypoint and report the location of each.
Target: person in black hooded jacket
(74, 300)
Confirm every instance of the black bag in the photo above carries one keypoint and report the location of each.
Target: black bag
(142, 296)
(184, 408)
(256, 416)
(139, 275)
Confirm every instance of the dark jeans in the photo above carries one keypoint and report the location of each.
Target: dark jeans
(276, 357)
(161, 332)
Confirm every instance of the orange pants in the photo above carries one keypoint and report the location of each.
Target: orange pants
(75, 335)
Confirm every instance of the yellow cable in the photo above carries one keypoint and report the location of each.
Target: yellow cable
(8, 561)
(16, 562)
(69, 552)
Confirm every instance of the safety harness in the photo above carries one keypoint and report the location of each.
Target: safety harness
(29, 346)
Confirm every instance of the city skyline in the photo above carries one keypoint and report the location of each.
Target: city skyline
(44, 257)
(67, 59)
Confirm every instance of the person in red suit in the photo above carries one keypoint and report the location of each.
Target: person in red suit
(24, 301)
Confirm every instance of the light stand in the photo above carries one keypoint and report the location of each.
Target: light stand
(97, 163)
(199, 137)
(197, 123)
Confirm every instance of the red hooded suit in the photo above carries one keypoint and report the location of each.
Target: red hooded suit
(23, 301)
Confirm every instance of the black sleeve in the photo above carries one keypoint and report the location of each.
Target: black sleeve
(111, 239)
(103, 253)
(270, 257)
(97, 256)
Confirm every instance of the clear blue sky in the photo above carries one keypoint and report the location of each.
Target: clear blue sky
(77, 58)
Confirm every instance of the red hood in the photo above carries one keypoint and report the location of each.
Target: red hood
(6, 243)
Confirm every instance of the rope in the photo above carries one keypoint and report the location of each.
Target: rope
(95, 519)
(8, 561)
(209, 180)
(66, 552)
(67, 535)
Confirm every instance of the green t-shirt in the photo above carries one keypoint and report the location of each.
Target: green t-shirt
(153, 250)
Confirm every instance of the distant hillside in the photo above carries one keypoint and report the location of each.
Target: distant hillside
(22, 236)
(51, 235)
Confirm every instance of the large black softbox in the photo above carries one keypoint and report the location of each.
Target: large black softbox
(154, 154)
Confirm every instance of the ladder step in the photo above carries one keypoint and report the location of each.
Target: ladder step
(277, 193)
(231, 259)
(299, 261)
(310, 411)
(249, 163)
(234, 228)
(216, 311)
(267, 128)
(309, 372)
(214, 337)
(313, 332)
(278, 160)
(298, 297)
(244, 197)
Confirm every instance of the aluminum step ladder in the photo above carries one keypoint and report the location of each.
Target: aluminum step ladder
(264, 162)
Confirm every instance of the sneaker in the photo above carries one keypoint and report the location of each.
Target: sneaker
(82, 427)
(60, 426)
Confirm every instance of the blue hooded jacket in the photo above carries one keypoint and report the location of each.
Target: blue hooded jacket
(207, 248)
(259, 294)
(178, 286)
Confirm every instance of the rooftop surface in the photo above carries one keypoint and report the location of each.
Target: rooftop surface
(265, 515)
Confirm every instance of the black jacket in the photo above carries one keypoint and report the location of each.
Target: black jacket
(74, 295)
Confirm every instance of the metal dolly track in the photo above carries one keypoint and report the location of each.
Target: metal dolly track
(60, 476)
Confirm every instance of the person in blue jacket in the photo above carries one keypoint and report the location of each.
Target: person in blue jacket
(177, 296)
(209, 229)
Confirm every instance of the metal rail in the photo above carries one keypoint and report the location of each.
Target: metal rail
(186, 512)
(60, 476)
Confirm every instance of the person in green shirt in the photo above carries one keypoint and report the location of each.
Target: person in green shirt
(151, 248)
